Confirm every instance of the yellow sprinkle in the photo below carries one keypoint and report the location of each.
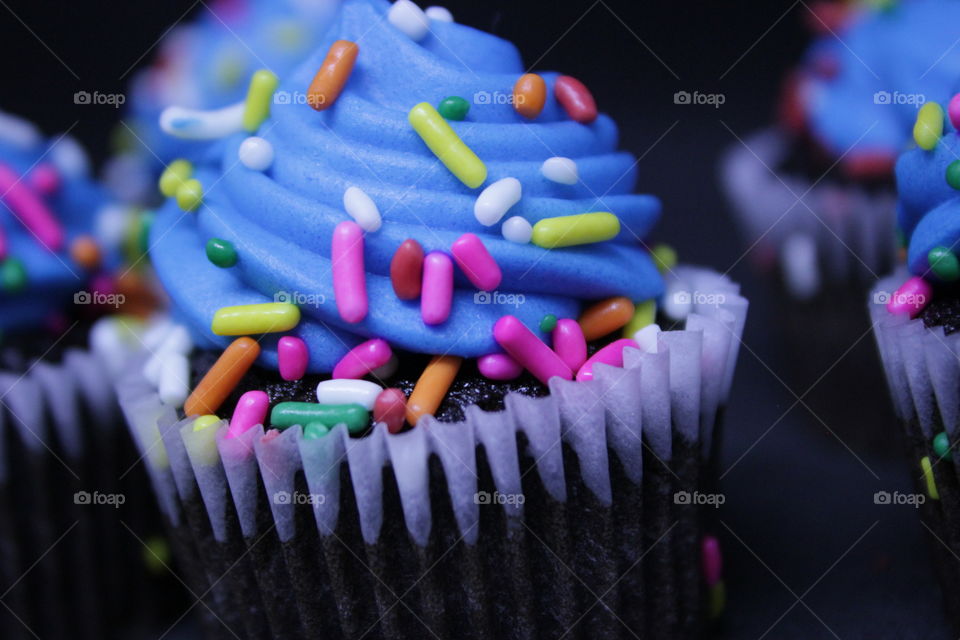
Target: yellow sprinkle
(257, 107)
(664, 257)
(173, 176)
(189, 194)
(568, 231)
(252, 319)
(929, 126)
(643, 315)
(203, 422)
(718, 599)
(928, 477)
(447, 145)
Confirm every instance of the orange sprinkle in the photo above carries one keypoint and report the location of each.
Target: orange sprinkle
(529, 95)
(223, 377)
(432, 386)
(605, 317)
(85, 252)
(332, 75)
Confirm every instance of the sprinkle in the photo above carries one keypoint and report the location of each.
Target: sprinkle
(251, 410)
(476, 262)
(332, 75)
(288, 414)
(255, 153)
(173, 386)
(206, 421)
(517, 229)
(929, 126)
(406, 270)
(605, 317)
(569, 343)
(349, 283)
(953, 174)
(612, 354)
(664, 257)
(644, 313)
(911, 298)
(176, 173)
(561, 170)
(247, 319)
(346, 391)
(313, 431)
(929, 479)
(85, 252)
(221, 252)
(437, 290)
(648, 338)
(718, 600)
(548, 323)
(446, 144)
(386, 371)
(494, 201)
(190, 195)
(576, 99)
(953, 109)
(941, 444)
(256, 107)
(711, 560)
(362, 209)
(568, 231)
(440, 14)
(4, 249)
(529, 95)
(223, 377)
(195, 124)
(453, 108)
(292, 357)
(13, 275)
(363, 359)
(535, 356)
(390, 408)
(30, 210)
(432, 387)
(410, 19)
(44, 179)
(499, 366)
(944, 264)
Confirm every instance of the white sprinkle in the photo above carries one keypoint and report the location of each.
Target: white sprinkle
(494, 201)
(800, 270)
(410, 19)
(107, 342)
(362, 209)
(387, 370)
(175, 340)
(18, 132)
(256, 153)
(194, 124)
(562, 170)
(174, 373)
(677, 301)
(156, 332)
(343, 391)
(440, 14)
(110, 226)
(517, 229)
(70, 158)
(647, 338)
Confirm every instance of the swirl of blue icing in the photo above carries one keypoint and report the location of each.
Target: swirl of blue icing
(52, 278)
(281, 221)
(885, 59)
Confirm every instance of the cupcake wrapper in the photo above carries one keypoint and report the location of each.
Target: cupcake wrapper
(557, 514)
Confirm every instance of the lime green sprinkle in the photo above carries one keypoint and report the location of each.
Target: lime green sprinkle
(929, 479)
(190, 195)
(203, 422)
(173, 176)
(929, 126)
(548, 323)
(718, 599)
(664, 257)
(453, 108)
(13, 275)
(944, 264)
(644, 314)
(941, 444)
(221, 253)
(156, 554)
(257, 107)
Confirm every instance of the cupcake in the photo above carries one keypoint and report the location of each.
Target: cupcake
(420, 382)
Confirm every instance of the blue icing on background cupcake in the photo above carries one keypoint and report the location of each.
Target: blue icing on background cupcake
(281, 220)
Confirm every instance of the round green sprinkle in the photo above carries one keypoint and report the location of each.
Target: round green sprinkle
(941, 444)
(13, 275)
(190, 195)
(173, 176)
(453, 108)
(953, 174)
(664, 257)
(944, 264)
(156, 555)
(221, 252)
(548, 323)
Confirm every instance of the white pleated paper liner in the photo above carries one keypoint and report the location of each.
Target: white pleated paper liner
(922, 367)
(556, 515)
(819, 235)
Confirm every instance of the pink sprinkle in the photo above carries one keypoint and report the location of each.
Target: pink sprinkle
(711, 559)
(363, 359)
(251, 410)
(45, 179)
(30, 210)
(912, 296)
(3, 246)
(569, 343)
(268, 436)
(476, 262)
(499, 366)
(953, 110)
(349, 284)
(436, 296)
(293, 357)
(103, 284)
(611, 354)
(528, 350)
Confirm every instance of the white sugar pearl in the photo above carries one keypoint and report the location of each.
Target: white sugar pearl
(562, 170)
(256, 153)
(647, 338)
(494, 201)
(70, 158)
(410, 19)
(362, 209)
(174, 374)
(343, 391)
(800, 270)
(440, 14)
(110, 226)
(517, 229)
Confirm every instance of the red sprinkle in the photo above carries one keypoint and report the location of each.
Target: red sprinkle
(576, 99)
(406, 270)
(390, 408)
(869, 164)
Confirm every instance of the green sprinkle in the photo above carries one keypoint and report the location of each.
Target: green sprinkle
(156, 555)
(315, 430)
(944, 264)
(288, 414)
(548, 323)
(13, 275)
(221, 252)
(664, 257)
(257, 107)
(718, 600)
(644, 314)
(190, 195)
(941, 444)
(953, 174)
(901, 239)
(453, 108)
(173, 176)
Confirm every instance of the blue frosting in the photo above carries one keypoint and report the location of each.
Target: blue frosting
(882, 59)
(281, 221)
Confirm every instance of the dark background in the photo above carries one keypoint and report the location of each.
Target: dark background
(807, 553)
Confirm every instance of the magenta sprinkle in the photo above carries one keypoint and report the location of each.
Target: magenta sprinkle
(349, 283)
(711, 559)
(45, 179)
(612, 354)
(436, 295)
(363, 359)
(527, 349)
(293, 357)
(953, 110)
(251, 410)
(911, 298)
(499, 366)
(476, 262)
(569, 343)
(30, 210)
